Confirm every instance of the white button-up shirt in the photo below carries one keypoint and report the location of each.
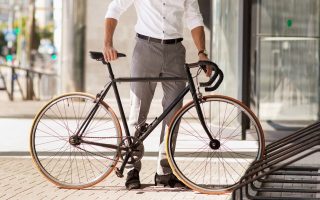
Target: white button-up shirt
(161, 19)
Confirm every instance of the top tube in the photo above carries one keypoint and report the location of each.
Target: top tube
(151, 79)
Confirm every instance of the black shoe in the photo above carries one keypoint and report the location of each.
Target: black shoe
(133, 180)
(169, 179)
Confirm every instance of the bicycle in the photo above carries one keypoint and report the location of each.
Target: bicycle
(76, 139)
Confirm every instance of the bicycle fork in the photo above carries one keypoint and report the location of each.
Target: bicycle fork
(214, 143)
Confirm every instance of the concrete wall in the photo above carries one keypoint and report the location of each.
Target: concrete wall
(95, 73)
(72, 46)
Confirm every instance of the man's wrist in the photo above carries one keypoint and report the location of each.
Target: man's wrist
(108, 44)
(203, 52)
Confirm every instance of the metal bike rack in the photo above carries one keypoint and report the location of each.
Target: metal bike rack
(275, 164)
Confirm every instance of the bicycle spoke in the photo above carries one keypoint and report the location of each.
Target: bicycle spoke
(51, 135)
(59, 156)
(191, 126)
(198, 153)
(62, 118)
(95, 127)
(91, 122)
(47, 142)
(84, 166)
(232, 135)
(203, 139)
(97, 131)
(54, 155)
(213, 165)
(54, 120)
(229, 122)
(75, 115)
(223, 121)
(225, 169)
(50, 129)
(241, 155)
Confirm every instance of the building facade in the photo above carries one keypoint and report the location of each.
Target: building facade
(268, 50)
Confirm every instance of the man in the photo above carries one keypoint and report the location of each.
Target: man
(158, 53)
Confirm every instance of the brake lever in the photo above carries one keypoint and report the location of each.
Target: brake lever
(204, 68)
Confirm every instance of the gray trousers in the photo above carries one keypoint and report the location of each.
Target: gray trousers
(155, 60)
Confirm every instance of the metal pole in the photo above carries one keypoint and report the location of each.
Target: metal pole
(12, 84)
(246, 58)
(31, 32)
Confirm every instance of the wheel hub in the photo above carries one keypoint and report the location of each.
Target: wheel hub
(74, 140)
(215, 144)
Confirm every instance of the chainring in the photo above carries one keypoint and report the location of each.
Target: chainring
(136, 149)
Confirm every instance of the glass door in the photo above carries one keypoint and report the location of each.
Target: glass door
(287, 59)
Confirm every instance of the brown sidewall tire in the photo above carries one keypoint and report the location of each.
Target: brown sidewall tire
(34, 157)
(172, 165)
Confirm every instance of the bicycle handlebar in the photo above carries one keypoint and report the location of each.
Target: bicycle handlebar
(217, 73)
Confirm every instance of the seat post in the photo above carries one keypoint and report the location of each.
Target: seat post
(111, 75)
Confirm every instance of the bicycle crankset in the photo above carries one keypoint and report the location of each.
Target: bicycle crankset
(135, 150)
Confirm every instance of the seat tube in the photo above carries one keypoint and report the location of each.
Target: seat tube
(116, 93)
(196, 102)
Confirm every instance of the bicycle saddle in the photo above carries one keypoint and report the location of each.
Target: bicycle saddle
(99, 55)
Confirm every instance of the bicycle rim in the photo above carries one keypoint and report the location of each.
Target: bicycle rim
(74, 166)
(214, 169)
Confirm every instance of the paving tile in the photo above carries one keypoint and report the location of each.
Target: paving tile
(19, 179)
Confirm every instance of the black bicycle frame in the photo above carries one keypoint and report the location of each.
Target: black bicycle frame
(190, 87)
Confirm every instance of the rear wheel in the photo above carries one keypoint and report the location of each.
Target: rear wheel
(61, 156)
(214, 167)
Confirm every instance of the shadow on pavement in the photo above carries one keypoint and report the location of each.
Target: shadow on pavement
(144, 188)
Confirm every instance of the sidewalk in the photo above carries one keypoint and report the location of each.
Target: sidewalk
(19, 179)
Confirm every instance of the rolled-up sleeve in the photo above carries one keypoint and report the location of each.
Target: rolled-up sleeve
(117, 7)
(192, 14)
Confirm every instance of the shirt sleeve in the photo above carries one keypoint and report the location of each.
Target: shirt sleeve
(192, 14)
(117, 7)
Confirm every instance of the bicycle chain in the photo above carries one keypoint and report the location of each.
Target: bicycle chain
(98, 155)
(101, 137)
(101, 155)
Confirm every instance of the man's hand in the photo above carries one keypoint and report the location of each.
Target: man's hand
(200, 42)
(204, 57)
(109, 53)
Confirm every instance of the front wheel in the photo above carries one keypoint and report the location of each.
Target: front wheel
(214, 167)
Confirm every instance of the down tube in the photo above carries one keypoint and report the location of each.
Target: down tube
(165, 112)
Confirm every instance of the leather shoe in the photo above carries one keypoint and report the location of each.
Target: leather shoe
(133, 180)
(169, 179)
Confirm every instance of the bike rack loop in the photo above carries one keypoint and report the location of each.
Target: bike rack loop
(276, 161)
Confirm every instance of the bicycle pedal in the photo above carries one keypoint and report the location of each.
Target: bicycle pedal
(119, 173)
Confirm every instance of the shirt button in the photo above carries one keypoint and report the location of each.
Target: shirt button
(164, 17)
(164, 4)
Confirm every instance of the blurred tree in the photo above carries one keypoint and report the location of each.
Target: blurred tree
(43, 33)
(47, 32)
